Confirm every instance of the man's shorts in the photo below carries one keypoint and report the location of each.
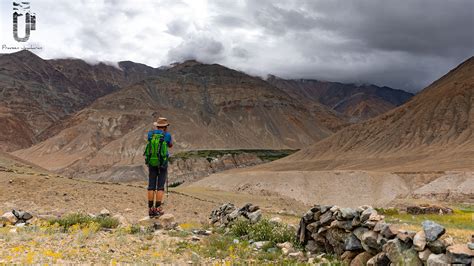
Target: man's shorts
(157, 177)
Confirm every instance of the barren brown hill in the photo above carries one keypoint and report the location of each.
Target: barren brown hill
(209, 106)
(422, 149)
(358, 102)
(433, 131)
(35, 94)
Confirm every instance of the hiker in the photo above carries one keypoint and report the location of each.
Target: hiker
(156, 158)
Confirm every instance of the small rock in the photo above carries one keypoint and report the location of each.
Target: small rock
(20, 224)
(255, 216)
(311, 246)
(10, 181)
(379, 260)
(9, 218)
(390, 231)
(459, 253)
(308, 216)
(361, 259)
(432, 230)
(326, 218)
(195, 238)
(380, 226)
(168, 221)
(437, 259)
(352, 243)
(122, 220)
(275, 220)
(347, 213)
(359, 231)
(424, 255)
(348, 256)
(296, 255)
(367, 213)
(470, 246)
(369, 242)
(437, 246)
(313, 227)
(260, 244)
(127, 210)
(419, 241)
(104, 213)
(325, 208)
(405, 235)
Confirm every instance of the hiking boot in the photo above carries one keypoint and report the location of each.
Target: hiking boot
(151, 212)
(159, 211)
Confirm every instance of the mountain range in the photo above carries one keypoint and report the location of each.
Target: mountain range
(84, 120)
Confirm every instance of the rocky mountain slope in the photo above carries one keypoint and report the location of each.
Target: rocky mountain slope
(422, 149)
(35, 94)
(358, 102)
(209, 106)
(433, 131)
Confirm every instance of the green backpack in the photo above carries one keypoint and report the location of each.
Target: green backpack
(156, 151)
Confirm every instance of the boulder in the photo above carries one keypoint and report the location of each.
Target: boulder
(419, 241)
(359, 231)
(399, 255)
(348, 256)
(313, 227)
(352, 243)
(336, 238)
(424, 255)
(380, 226)
(346, 225)
(437, 246)
(361, 259)
(308, 216)
(255, 216)
(406, 236)
(459, 253)
(167, 220)
(390, 231)
(9, 218)
(347, 213)
(326, 218)
(437, 260)
(369, 242)
(365, 215)
(380, 259)
(432, 230)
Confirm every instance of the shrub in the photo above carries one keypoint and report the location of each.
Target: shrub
(83, 220)
(264, 230)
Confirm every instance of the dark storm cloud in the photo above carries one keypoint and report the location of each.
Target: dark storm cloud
(403, 44)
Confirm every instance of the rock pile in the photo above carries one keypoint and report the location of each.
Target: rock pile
(15, 218)
(227, 213)
(361, 237)
(429, 209)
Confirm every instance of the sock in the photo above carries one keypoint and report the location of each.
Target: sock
(158, 204)
(150, 204)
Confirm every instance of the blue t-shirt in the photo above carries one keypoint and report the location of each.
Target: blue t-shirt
(168, 138)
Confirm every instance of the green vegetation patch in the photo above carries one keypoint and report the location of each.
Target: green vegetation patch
(264, 155)
(265, 230)
(82, 219)
(460, 219)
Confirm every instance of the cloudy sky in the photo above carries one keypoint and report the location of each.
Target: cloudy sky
(405, 44)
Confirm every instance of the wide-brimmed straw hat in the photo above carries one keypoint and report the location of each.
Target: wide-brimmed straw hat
(162, 122)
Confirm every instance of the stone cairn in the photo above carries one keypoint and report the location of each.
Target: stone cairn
(360, 236)
(227, 213)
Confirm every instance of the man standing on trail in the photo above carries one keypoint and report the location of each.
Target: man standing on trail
(156, 158)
